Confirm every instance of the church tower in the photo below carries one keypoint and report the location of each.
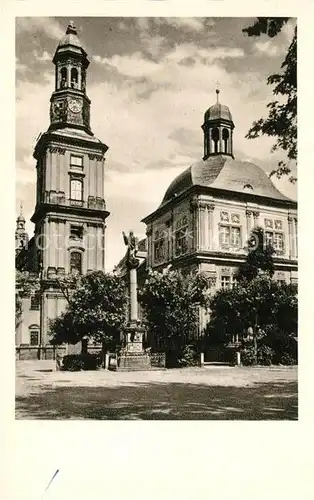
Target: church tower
(21, 236)
(218, 128)
(70, 209)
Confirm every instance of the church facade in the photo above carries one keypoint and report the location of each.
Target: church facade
(70, 211)
(206, 216)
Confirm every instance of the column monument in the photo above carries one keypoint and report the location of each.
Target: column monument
(133, 356)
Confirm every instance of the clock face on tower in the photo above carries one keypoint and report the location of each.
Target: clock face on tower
(75, 106)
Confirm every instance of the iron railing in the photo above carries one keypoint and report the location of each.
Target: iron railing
(58, 198)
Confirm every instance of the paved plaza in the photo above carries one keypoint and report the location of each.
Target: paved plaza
(209, 393)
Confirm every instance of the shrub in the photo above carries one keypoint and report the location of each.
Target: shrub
(77, 362)
(248, 356)
(265, 355)
(188, 356)
(288, 359)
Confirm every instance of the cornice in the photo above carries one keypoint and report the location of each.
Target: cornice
(222, 194)
(44, 208)
(55, 141)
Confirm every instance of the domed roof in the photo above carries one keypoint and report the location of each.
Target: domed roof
(223, 172)
(70, 38)
(20, 218)
(218, 112)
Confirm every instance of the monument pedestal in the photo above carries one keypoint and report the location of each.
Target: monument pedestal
(132, 357)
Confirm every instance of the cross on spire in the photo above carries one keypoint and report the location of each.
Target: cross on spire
(71, 28)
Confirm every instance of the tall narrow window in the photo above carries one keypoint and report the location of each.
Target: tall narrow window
(159, 246)
(225, 137)
(181, 236)
(34, 335)
(224, 236)
(74, 78)
(215, 138)
(278, 243)
(235, 237)
(269, 238)
(63, 82)
(76, 190)
(35, 301)
(76, 262)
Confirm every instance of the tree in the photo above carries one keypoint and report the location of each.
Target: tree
(95, 310)
(171, 303)
(271, 308)
(259, 257)
(26, 284)
(281, 122)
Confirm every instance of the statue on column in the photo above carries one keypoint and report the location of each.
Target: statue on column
(132, 243)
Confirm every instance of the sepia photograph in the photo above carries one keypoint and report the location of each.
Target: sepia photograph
(156, 232)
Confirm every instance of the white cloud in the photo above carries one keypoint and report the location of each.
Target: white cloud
(22, 68)
(268, 47)
(133, 65)
(52, 28)
(43, 56)
(190, 23)
(32, 110)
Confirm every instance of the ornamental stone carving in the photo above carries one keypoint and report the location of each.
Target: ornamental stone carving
(224, 216)
(268, 223)
(56, 150)
(93, 156)
(201, 205)
(235, 218)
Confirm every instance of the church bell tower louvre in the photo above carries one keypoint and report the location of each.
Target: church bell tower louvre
(70, 209)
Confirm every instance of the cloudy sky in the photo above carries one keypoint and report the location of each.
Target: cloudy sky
(150, 81)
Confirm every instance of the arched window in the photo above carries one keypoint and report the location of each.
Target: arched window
(74, 78)
(34, 335)
(76, 189)
(63, 82)
(215, 138)
(225, 137)
(76, 262)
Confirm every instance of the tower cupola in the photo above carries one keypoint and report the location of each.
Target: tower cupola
(21, 236)
(70, 106)
(218, 128)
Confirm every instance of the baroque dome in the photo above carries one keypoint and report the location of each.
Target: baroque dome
(218, 112)
(224, 173)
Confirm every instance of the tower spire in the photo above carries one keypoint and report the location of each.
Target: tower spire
(217, 94)
(21, 208)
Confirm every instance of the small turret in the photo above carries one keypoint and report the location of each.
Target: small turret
(21, 236)
(218, 126)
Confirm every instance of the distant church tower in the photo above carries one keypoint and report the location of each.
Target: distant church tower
(21, 236)
(70, 208)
